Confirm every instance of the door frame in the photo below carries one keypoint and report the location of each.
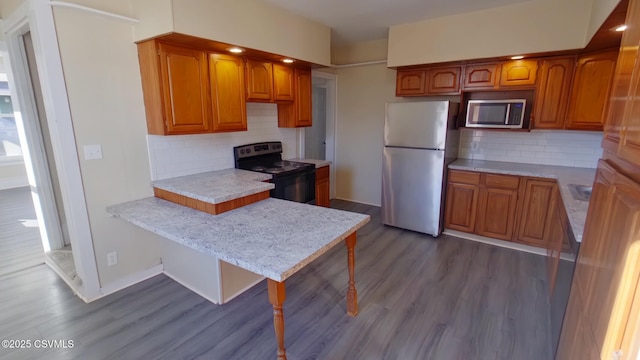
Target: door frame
(330, 136)
(36, 16)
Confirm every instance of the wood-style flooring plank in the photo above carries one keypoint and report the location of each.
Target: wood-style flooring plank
(419, 297)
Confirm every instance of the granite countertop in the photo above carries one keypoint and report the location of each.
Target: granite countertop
(273, 238)
(576, 209)
(317, 163)
(216, 187)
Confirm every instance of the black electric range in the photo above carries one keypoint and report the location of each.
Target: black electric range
(295, 181)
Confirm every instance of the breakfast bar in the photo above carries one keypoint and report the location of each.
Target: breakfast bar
(273, 238)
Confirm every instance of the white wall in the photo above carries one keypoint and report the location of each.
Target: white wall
(105, 97)
(250, 23)
(600, 10)
(522, 28)
(544, 147)
(173, 156)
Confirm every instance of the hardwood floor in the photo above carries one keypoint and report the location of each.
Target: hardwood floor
(420, 298)
(20, 244)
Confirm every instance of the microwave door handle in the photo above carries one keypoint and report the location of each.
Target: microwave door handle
(506, 120)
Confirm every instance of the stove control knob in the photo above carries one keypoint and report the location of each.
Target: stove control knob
(248, 151)
(242, 151)
(278, 146)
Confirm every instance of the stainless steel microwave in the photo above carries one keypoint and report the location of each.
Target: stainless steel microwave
(496, 113)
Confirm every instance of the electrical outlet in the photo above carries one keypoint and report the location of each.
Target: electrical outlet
(474, 146)
(112, 258)
(92, 152)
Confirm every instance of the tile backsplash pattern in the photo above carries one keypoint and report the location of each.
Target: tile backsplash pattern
(179, 155)
(544, 147)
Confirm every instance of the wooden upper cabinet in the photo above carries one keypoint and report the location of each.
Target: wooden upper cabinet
(443, 81)
(298, 113)
(283, 83)
(259, 76)
(590, 91)
(227, 92)
(175, 85)
(411, 82)
(518, 73)
(539, 201)
(552, 93)
(481, 76)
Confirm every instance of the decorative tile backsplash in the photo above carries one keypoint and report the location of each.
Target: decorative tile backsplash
(545, 147)
(179, 155)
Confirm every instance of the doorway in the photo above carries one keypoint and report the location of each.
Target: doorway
(319, 139)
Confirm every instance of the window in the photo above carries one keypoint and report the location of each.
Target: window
(9, 141)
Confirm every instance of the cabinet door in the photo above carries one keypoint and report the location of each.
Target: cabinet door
(444, 81)
(518, 73)
(537, 212)
(590, 91)
(259, 80)
(227, 92)
(322, 186)
(411, 82)
(481, 76)
(497, 213)
(298, 113)
(462, 202)
(185, 90)
(554, 245)
(552, 93)
(629, 147)
(283, 83)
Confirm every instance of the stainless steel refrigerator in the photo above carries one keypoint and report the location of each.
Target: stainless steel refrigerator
(420, 140)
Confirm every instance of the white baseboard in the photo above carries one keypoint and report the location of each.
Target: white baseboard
(13, 182)
(185, 284)
(129, 280)
(356, 201)
(75, 287)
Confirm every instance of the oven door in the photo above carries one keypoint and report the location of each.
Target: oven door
(299, 187)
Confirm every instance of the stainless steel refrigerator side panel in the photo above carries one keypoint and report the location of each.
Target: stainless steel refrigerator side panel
(419, 124)
(412, 189)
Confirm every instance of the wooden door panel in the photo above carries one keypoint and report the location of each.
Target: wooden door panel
(185, 90)
(590, 91)
(629, 147)
(552, 93)
(483, 76)
(303, 97)
(462, 201)
(538, 204)
(283, 83)
(444, 80)
(519, 73)
(411, 82)
(259, 77)
(496, 213)
(227, 92)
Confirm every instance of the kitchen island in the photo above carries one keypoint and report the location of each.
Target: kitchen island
(273, 238)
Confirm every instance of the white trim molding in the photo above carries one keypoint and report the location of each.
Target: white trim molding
(36, 16)
(127, 281)
(13, 182)
(95, 11)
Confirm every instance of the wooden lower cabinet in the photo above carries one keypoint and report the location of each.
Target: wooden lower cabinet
(322, 186)
(538, 206)
(605, 301)
(496, 212)
(507, 207)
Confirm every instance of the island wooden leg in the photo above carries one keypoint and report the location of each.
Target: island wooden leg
(352, 293)
(277, 296)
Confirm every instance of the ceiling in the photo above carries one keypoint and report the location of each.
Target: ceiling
(362, 20)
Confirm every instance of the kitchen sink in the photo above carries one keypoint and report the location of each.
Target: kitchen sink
(580, 192)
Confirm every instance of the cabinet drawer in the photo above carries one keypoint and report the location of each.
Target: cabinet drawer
(501, 181)
(322, 173)
(464, 177)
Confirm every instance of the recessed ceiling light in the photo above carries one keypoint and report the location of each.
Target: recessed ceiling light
(288, 61)
(235, 50)
(517, 57)
(620, 28)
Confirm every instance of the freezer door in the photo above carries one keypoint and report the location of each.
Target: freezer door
(419, 124)
(412, 189)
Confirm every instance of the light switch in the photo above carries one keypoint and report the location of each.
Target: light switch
(92, 152)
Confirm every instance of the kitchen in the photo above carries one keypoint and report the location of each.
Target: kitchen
(95, 122)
